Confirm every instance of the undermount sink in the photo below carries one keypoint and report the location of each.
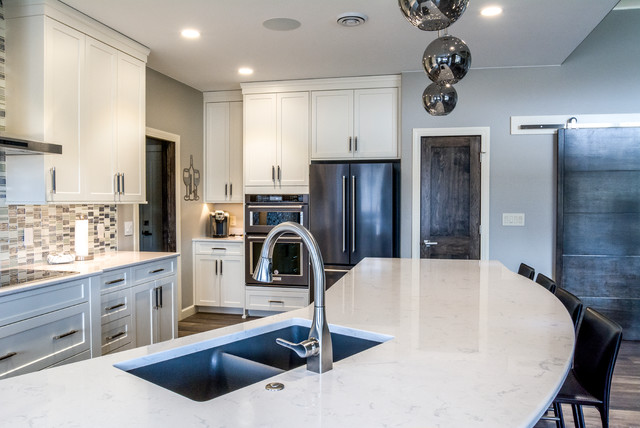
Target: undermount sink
(202, 374)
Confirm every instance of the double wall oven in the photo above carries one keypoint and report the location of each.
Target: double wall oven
(290, 256)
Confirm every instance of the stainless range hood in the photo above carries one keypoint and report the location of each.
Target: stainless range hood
(17, 146)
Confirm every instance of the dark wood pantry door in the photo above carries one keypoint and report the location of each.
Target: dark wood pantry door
(450, 197)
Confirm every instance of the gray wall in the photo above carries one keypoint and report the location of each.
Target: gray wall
(600, 77)
(177, 108)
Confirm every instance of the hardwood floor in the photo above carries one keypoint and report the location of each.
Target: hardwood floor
(204, 321)
(625, 387)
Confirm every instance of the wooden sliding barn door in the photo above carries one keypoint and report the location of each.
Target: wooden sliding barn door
(598, 221)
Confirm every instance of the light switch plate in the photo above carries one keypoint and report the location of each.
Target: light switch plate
(128, 228)
(232, 220)
(101, 231)
(513, 219)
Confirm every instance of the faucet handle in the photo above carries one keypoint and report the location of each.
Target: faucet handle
(307, 348)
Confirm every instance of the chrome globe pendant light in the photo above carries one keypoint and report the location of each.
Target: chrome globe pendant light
(447, 59)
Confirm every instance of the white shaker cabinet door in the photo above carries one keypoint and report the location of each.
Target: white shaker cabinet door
(376, 123)
(130, 136)
(235, 152)
(332, 124)
(293, 139)
(232, 281)
(260, 140)
(207, 283)
(99, 121)
(216, 152)
(64, 62)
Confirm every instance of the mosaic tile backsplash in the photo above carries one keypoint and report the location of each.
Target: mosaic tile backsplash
(53, 231)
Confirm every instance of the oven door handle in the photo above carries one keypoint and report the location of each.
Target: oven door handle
(275, 207)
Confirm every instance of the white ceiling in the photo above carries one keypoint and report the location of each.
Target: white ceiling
(528, 33)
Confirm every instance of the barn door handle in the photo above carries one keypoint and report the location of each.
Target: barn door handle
(428, 243)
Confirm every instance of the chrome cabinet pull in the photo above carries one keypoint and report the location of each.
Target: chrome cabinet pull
(349, 144)
(355, 144)
(353, 213)
(276, 301)
(53, 180)
(122, 175)
(67, 334)
(344, 213)
(216, 267)
(220, 267)
(279, 177)
(161, 297)
(115, 336)
(119, 305)
(225, 190)
(157, 270)
(115, 281)
(117, 179)
(230, 189)
(273, 173)
(158, 297)
(7, 356)
(218, 248)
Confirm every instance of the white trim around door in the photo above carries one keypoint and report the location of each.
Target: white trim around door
(484, 134)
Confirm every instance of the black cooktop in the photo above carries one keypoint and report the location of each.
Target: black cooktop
(15, 276)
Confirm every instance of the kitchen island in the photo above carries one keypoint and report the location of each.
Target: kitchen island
(474, 345)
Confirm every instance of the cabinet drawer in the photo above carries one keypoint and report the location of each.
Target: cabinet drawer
(20, 306)
(115, 280)
(276, 299)
(149, 271)
(45, 340)
(115, 305)
(220, 248)
(116, 334)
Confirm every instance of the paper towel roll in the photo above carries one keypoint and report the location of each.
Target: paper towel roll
(82, 238)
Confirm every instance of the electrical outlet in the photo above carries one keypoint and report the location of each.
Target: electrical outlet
(513, 219)
(28, 236)
(232, 220)
(128, 228)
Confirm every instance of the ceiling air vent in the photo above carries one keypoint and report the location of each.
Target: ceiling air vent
(351, 19)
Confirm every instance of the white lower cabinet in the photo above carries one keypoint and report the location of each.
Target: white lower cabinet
(42, 341)
(276, 299)
(138, 305)
(154, 311)
(218, 268)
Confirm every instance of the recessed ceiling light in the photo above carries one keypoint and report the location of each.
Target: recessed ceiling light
(281, 24)
(245, 70)
(351, 19)
(491, 11)
(190, 33)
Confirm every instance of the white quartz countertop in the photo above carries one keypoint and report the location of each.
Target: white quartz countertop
(101, 263)
(474, 345)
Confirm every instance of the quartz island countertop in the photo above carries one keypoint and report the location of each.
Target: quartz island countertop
(474, 345)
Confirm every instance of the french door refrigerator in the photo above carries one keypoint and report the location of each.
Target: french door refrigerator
(353, 212)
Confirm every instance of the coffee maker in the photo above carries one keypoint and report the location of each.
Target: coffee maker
(219, 224)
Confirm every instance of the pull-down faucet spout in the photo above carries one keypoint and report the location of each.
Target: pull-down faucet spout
(317, 348)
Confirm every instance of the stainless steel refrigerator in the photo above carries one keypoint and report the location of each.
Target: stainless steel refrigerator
(353, 212)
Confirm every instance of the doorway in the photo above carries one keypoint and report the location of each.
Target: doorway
(450, 196)
(157, 218)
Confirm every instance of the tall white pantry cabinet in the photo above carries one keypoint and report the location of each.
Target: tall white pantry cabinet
(71, 81)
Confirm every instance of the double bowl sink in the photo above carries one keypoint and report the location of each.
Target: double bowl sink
(210, 369)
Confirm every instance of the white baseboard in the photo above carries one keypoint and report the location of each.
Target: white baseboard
(187, 312)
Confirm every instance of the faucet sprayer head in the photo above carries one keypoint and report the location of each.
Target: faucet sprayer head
(262, 272)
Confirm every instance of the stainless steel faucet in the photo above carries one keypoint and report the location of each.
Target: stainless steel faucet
(317, 348)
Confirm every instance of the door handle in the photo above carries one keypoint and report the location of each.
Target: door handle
(349, 144)
(279, 179)
(220, 267)
(225, 190)
(122, 175)
(230, 189)
(53, 180)
(216, 267)
(117, 179)
(428, 243)
(273, 173)
(355, 144)
(353, 213)
(344, 213)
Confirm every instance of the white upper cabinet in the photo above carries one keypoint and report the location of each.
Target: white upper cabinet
(223, 151)
(276, 142)
(73, 82)
(360, 123)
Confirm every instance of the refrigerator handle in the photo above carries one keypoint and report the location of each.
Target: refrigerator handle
(344, 213)
(353, 213)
